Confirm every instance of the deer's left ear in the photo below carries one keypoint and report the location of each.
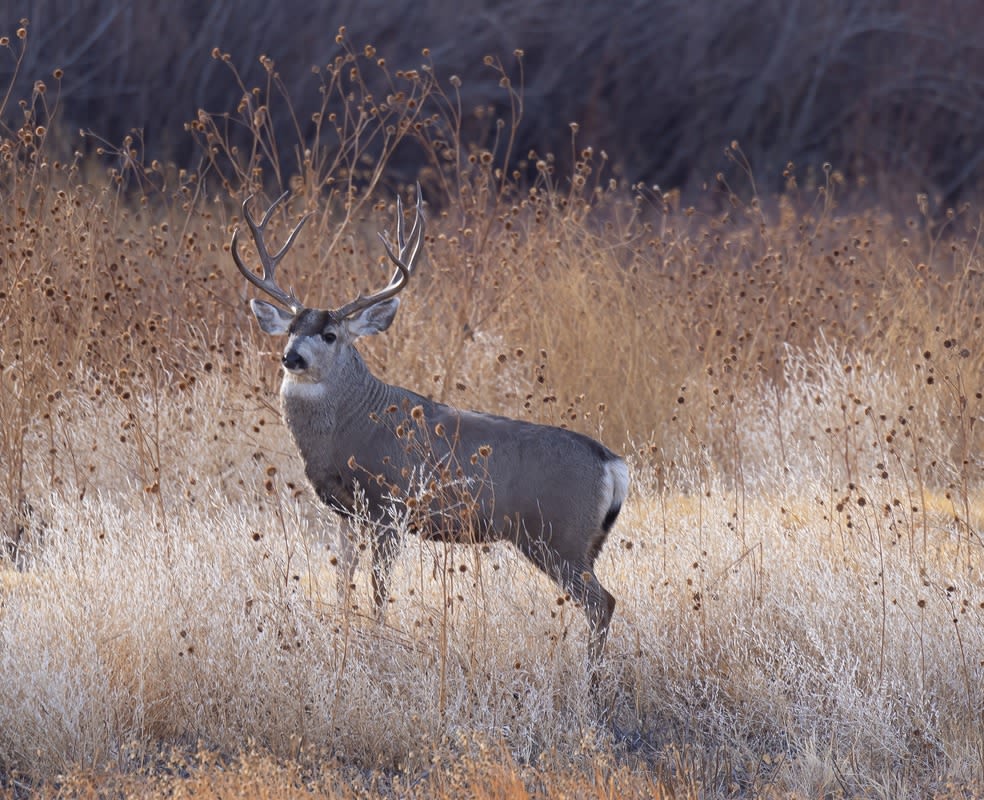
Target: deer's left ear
(374, 319)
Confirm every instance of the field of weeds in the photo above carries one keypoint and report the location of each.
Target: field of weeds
(797, 385)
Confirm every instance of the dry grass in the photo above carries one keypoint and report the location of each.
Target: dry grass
(798, 568)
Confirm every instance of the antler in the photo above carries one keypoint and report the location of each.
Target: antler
(406, 260)
(269, 262)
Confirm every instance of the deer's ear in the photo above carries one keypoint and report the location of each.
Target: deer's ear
(374, 319)
(271, 318)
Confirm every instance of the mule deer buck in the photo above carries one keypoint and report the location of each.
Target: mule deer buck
(553, 493)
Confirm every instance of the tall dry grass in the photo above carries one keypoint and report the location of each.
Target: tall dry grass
(798, 568)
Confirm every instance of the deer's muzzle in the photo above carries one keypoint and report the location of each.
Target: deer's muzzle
(293, 361)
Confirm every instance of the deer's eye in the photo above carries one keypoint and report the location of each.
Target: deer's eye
(328, 336)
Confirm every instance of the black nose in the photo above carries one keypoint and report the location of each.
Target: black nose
(293, 361)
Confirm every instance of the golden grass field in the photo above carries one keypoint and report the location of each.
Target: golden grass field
(797, 384)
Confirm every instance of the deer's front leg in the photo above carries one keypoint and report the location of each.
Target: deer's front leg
(348, 559)
(385, 544)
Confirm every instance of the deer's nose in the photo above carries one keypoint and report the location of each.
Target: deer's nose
(293, 361)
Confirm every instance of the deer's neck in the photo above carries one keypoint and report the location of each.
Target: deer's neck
(329, 417)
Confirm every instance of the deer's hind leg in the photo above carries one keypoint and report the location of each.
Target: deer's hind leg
(598, 602)
(578, 579)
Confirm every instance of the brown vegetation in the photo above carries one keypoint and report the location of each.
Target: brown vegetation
(798, 567)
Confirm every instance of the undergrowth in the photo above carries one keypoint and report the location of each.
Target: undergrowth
(798, 389)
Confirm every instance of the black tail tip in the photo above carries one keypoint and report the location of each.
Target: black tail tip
(610, 517)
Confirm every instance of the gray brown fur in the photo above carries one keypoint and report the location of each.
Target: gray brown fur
(456, 475)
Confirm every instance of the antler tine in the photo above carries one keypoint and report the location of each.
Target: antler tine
(405, 261)
(416, 232)
(267, 283)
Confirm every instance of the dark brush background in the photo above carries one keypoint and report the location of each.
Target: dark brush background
(892, 90)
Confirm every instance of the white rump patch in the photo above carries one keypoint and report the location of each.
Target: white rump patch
(616, 486)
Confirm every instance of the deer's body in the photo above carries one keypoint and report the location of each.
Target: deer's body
(345, 434)
(462, 475)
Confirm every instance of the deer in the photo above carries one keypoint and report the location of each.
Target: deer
(552, 492)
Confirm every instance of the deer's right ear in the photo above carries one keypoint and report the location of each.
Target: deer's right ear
(272, 319)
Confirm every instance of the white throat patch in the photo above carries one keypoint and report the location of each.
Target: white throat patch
(305, 391)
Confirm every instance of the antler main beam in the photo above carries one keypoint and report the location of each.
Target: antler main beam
(409, 247)
(267, 283)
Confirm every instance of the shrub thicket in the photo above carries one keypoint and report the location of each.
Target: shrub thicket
(881, 88)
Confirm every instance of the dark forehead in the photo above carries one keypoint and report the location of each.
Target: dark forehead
(310, 321)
